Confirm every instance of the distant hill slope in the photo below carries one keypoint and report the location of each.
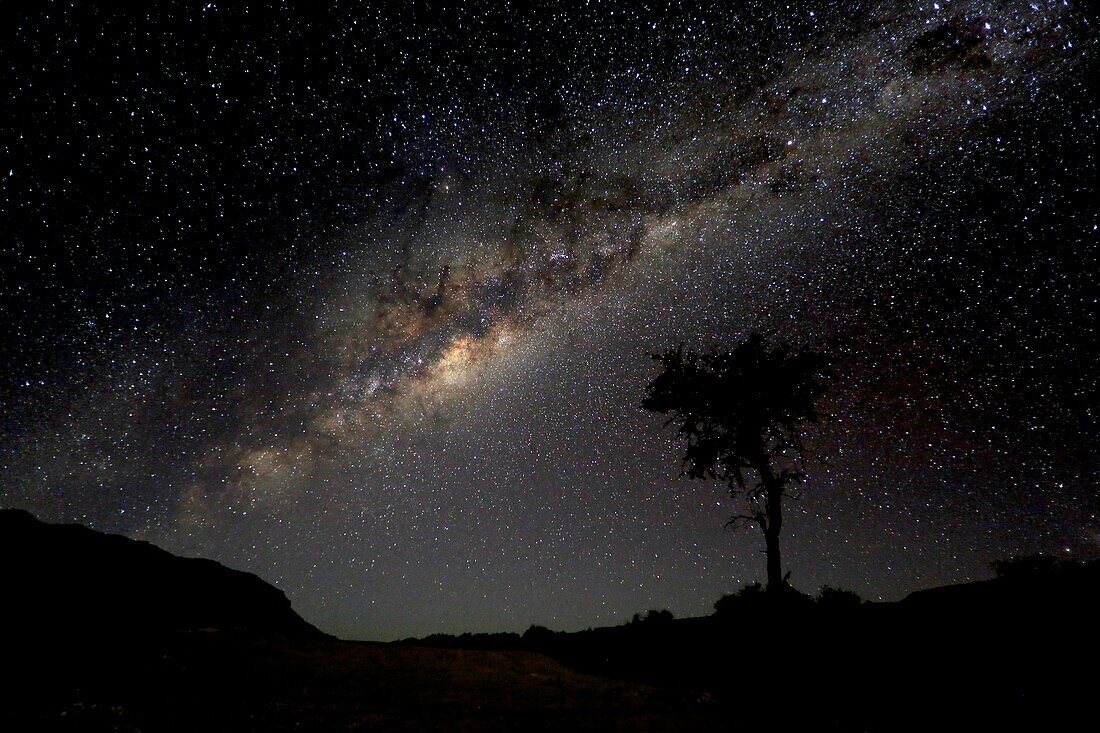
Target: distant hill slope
(1020, 594)
(71, 580)
(105, 633)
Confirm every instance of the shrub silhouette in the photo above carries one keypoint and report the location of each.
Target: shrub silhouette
(653, 616)
(538, 636)
(750, 596)
(829, 597)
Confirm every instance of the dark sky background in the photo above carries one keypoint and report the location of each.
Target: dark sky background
(361, 301)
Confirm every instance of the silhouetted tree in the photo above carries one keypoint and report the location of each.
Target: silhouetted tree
(740, 411)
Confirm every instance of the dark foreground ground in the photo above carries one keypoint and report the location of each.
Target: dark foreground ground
(223, 682)
(962, 659)
(1016, 653)
(102, 633)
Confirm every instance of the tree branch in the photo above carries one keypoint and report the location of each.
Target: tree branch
(746, 518)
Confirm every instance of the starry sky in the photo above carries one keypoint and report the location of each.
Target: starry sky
(362, 301)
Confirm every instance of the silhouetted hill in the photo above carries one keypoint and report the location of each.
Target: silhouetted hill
(1029, 591)
(103, 633)
(68, 580)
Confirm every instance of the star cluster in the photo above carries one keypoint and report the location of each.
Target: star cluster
(362, 301)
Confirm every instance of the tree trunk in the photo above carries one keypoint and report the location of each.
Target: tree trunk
(773, 499)
(775, 562)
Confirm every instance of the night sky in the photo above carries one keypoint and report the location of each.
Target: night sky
(362, 300)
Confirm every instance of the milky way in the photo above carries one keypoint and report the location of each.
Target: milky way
(416, 408)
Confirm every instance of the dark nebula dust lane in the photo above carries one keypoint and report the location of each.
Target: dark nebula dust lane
(363, 304)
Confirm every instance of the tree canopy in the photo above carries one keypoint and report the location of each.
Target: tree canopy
(744, 410)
